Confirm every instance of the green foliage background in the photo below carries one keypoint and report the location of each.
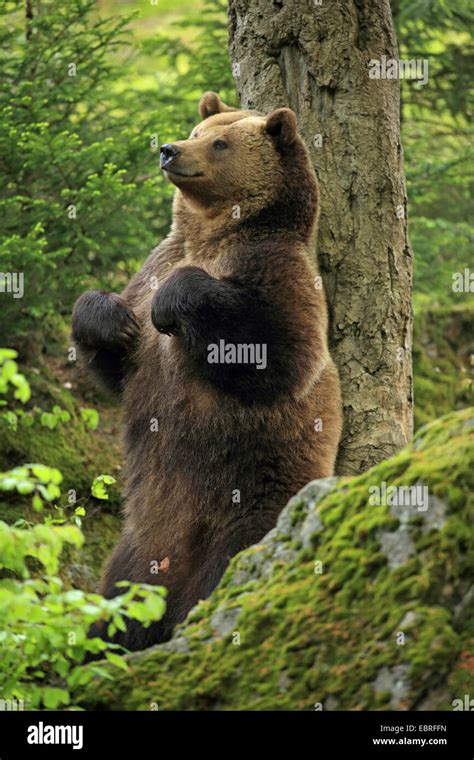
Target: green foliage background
(437, 136)
(84, 102)
(85, 88)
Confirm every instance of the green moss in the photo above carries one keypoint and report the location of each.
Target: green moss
(307, 638)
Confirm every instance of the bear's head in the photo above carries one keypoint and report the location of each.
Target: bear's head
(251, 168)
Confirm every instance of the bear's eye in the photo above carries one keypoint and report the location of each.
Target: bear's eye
(219, 144)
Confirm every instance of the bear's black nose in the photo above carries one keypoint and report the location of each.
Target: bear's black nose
(168, 153)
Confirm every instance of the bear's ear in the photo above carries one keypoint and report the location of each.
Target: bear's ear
(282, 127)
(211, 104)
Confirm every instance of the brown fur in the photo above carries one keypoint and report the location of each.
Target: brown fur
(220, 428)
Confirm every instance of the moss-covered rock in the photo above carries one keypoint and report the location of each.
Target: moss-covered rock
(349, 603)
(443, 351)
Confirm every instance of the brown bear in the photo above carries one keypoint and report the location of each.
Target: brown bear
(218, 348)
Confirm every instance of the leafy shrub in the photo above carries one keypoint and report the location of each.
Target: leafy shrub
(80, 188)
(10, 376)
(44, 624)
(73, 204)
(437, 139)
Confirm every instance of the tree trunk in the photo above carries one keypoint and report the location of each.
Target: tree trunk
(315, 59)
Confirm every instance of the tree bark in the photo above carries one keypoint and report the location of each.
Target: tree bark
(315, 59)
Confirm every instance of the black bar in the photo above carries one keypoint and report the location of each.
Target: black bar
(313, 734)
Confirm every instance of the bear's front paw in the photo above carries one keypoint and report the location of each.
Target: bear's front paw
(164, 313)
(177, 300)
(103, 320)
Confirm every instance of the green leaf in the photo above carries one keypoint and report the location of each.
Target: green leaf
(117, 660)
(48, 420)
(7, 353)
(37, 503)
(98, 488)
(90, 417)
(53, 697)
